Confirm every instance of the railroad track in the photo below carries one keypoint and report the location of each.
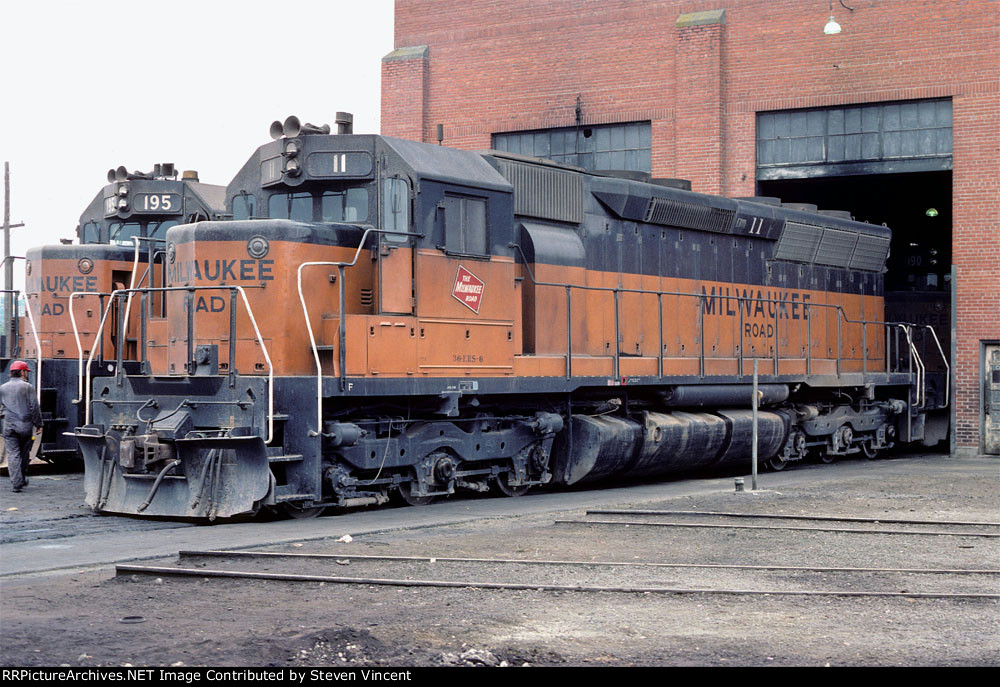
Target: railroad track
(615, 576)
(984, 529)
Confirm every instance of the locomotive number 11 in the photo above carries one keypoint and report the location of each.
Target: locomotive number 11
(756, 225)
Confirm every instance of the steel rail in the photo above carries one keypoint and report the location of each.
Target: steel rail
(624, 564)
(637, 523)
(471, 584)
(784, 516)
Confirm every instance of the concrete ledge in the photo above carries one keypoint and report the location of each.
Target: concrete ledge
(414, 52)
(701, 18)
(970, 452)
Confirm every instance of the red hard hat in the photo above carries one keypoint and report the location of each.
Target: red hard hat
(18, 365)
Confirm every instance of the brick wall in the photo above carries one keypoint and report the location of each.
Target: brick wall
(493, 66)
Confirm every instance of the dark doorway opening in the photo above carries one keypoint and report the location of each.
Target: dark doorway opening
(917, 207)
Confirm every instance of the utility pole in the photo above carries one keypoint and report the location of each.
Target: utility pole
(8, 283)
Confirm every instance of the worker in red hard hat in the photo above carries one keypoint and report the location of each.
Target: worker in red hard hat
(21, 419)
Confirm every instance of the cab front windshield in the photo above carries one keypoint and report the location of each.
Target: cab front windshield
(344, 205)
(121, 233)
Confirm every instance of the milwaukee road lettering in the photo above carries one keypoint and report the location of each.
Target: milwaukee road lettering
(760, 307)
(60, 286)
(220, 271)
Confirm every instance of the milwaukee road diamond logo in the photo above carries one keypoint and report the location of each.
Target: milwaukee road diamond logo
(468, 289)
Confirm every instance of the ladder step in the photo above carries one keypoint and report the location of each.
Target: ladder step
(290, 458)
(281, 417)
(284, 493)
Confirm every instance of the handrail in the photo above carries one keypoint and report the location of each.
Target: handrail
(38, 344)
(341, 331)
(135, 269)
(944, 359)
(117, 293)
(701, 296)
(921, 370)
(10, 349)
(76, 335)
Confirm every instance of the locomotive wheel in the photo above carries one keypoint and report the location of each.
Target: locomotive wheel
(870, 453)
(777, 464)
(507, 490)
(405, 492)
(827, 457)
(299, 513)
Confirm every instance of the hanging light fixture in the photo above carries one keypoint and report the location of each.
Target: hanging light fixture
(832, 27)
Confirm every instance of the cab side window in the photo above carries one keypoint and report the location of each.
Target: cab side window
(465, 228)
(91, 233)
(244, 206)
(396, 207)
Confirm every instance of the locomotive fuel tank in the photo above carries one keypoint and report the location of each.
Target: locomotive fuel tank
(661, 443)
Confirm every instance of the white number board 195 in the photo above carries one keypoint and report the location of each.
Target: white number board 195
(157, 202)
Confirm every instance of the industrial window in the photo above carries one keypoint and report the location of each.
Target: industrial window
(883, 137)
(606, 146)
(465, 225)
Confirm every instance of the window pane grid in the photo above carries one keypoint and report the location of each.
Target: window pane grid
(857, 133)
(607, 146)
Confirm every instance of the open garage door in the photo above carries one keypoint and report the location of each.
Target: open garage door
(885, 163)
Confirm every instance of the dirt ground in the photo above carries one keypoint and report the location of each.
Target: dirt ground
(77, 619)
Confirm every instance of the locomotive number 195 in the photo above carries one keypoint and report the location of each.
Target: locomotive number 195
(157, 202)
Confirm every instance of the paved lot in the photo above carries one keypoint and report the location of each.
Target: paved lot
(62, 605)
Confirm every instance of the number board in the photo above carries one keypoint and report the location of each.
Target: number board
(270, 170)
(159, 203)
(110, 206)
(336, 164)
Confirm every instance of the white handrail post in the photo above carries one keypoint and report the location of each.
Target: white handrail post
(38, 351)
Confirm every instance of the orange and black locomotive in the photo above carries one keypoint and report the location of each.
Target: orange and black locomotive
(67, 287)
(389, 317)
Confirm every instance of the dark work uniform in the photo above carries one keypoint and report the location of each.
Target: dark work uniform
(21, 416)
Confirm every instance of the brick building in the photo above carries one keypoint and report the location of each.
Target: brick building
(895, 119)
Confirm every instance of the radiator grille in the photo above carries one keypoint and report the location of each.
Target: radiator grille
(870, 253)
(836, 248)
(677, 213)
(544, 192)
(798, 242)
